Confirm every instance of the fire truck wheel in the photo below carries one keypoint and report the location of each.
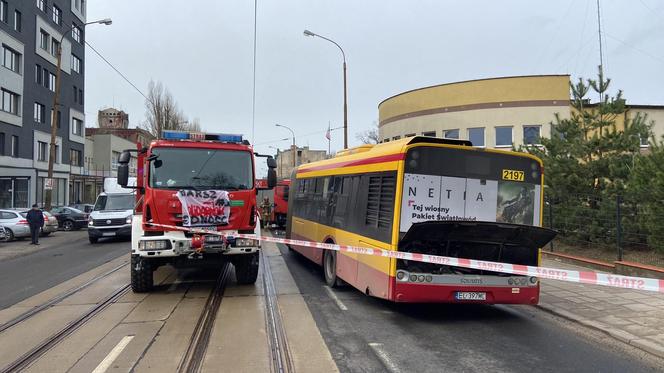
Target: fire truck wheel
(141, 275)
(246, 268)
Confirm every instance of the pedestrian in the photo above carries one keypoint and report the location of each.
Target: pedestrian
(35, 219)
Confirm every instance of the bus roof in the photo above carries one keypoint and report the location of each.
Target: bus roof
(365, 158)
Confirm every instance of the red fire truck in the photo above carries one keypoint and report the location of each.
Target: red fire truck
(194, 180)
(281, 202)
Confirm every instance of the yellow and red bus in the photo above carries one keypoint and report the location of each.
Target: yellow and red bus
(425, 195)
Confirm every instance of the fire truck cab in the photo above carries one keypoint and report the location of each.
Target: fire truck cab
(188, 183)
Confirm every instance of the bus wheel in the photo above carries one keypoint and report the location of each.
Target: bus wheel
(330, 269)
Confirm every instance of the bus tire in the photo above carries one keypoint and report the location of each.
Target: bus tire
(141, 275)
(246, 268)
(330, 269)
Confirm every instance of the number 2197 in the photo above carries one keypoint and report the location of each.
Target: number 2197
(513, 175)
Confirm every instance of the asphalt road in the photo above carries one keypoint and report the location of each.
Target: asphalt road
(376, 336)
(60, 257)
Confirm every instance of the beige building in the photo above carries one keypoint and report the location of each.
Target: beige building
(286, 163)
(494, 113)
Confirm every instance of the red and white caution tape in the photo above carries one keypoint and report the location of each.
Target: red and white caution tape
(584, 277)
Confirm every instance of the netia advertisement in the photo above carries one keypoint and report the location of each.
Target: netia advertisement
(442, 198)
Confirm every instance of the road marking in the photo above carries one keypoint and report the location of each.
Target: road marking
(336, 300)
(384, 358)
(115, 352)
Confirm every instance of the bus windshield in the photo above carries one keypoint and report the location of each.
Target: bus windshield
(178, 168)
(445, 184)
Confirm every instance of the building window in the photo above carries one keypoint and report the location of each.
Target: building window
(43, 39)
(3, 11)
(51, 81)
(55, 46)
(2, 143)
(531, 135)
(10, 102)
(409, 135)
(76, 33)
(14, 147)
(429, 134)
(40, 111)
(57, 154)
(76, 64)
(38, 74)
(643, 141)
(41, 151)
(57, 118)
(503, 136)
(114, 160)
(17, 21)
(11, 59)
(396, 138)
(41, 4)
(77, 127)
(451, 134)
(75, 94)
(80, 96)
(476, 136)
(57, 15)
(75, 157)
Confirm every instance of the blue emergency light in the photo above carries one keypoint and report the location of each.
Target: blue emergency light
(182, 135)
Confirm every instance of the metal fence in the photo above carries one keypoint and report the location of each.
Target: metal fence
(606, 229)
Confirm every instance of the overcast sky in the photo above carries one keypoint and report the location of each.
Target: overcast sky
(203, 52)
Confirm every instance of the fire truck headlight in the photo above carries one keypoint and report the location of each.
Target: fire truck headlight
(245, 242)
(533, 280)
(154, 245)
(128, 221)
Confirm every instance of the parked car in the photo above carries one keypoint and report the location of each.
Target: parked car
(70, 218)
(15, 224)
(50, 222)
(85, 207)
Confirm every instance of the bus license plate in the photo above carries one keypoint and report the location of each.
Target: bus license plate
(470, 295)
(513, 175)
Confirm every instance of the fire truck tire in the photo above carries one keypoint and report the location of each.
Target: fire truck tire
(246, 268)
(141, 278)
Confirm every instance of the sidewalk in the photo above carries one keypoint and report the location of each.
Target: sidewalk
(632, 316)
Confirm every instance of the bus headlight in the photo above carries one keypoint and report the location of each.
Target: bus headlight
(533, 280)
(154, 245)
(245, 242)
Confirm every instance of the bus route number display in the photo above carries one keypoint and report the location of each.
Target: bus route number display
(513, 175)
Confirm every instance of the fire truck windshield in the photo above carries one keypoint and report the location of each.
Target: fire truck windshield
(178, 168)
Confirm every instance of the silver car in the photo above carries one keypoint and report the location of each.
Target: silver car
(50, 222)
(15, 224)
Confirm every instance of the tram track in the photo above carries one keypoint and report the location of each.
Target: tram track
(282, 359)
(193, 358)
(57, 299)
(36, 352)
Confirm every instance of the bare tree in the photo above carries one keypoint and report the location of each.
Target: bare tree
(369, 136)
(162, 112)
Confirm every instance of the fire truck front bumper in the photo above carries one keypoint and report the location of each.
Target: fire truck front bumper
(174, 244)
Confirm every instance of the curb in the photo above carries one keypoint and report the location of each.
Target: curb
(623, 336)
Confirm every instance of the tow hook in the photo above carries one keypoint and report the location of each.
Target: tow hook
(195, 255)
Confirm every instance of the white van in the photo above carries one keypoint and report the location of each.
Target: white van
(113, 211)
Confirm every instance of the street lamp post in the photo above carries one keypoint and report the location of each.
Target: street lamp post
(294, 147)
(343, 55)
(54, 127)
